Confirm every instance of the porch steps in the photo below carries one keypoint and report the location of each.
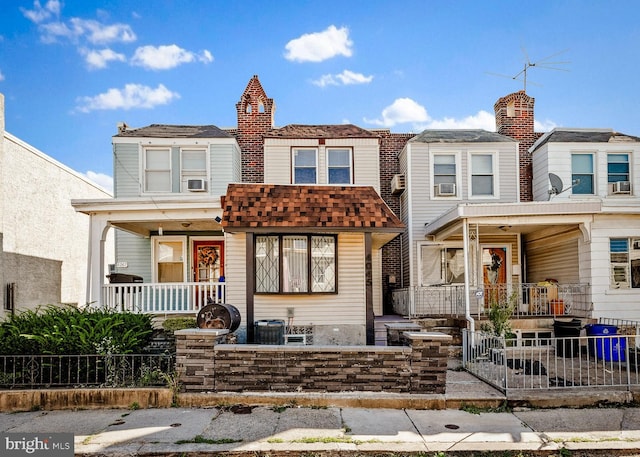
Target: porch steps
(381, 329)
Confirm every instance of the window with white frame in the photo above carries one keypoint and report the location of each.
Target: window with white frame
(617, 167)
(441, 264)
(625, 262)
(482, 175)
(582, 176)
(295, 264)
(444, 174)
(339, 166)
(157, 170)
(305, 166)
(193, 164)
(169, 259)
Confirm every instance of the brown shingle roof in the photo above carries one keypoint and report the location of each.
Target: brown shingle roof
(321, 131)
(175, 131)
(269, 206)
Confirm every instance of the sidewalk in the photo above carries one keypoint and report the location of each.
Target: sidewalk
(349, 424)
(301, 431)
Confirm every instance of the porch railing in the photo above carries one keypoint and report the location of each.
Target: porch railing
(166, 297)
(552, 363)
(539, 299)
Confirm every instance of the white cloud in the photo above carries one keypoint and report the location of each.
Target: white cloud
(92, 31)
(101, 179)
(544, 126)
(130, 97)
(319, 46)
(1, 76)
(39, 13)
(345, 78)
(166, 57)
(482, 120)
(401, 111)
(97, 59)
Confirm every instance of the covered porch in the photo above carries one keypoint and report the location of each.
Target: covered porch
(170, 256)
(475, 255)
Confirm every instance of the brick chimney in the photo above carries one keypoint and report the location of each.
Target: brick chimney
(514, 118)
(255, 119)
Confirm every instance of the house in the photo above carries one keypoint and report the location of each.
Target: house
(564, 242)
(42, 239)
(182, 236)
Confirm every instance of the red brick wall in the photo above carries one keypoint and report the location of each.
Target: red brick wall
(255, 118)
(515, 118)
(390, 146)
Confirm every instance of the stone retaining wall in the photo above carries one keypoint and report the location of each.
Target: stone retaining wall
(205, 363)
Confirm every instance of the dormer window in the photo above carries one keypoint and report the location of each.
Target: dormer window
(582, 174)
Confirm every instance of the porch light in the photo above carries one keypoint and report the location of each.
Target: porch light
(160, 230)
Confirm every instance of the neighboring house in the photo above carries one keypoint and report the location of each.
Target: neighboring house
(566, 244)
(43, 241)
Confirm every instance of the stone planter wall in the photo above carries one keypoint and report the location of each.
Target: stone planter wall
(204, 363)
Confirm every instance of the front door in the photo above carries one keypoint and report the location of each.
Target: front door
(208, 267)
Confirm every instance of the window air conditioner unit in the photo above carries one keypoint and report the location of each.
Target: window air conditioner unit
(446, 189)
(196, 185)
(398, 184)
(622, 187)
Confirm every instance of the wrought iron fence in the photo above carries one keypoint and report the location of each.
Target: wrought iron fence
(553, 363)
(112, 370)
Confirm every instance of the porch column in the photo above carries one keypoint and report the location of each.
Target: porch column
(98, 228)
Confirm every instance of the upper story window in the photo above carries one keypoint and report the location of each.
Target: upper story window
(193, 167)
(339, 166)
(617, 167)
(582, 177)
(295, 264)
(305, 166)
(482, 175)
(444, 174)
(157, 170)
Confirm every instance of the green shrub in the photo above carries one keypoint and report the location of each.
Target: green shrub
(67, 330)
(172, 324)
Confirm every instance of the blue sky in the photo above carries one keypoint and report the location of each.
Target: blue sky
(70, 71)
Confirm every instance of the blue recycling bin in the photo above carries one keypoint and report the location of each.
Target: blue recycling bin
(609, 349)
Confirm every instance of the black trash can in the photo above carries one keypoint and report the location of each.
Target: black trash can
(566, 333)
(269, 331)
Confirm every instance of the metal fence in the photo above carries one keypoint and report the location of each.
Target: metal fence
(114, 370)
(553, 363)
(539, 299)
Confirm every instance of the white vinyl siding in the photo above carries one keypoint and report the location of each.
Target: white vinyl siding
(347, 307)
(278, 164)
(235, 268)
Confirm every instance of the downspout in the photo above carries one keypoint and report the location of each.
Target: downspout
(467, 276)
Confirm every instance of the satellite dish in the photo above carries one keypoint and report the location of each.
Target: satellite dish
(557, 186)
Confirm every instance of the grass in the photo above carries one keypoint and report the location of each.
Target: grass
(472, 409)
(199, 439)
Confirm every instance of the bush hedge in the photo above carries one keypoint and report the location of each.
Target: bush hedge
(59, 330)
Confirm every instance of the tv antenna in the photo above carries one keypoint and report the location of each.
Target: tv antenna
(545, 63)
